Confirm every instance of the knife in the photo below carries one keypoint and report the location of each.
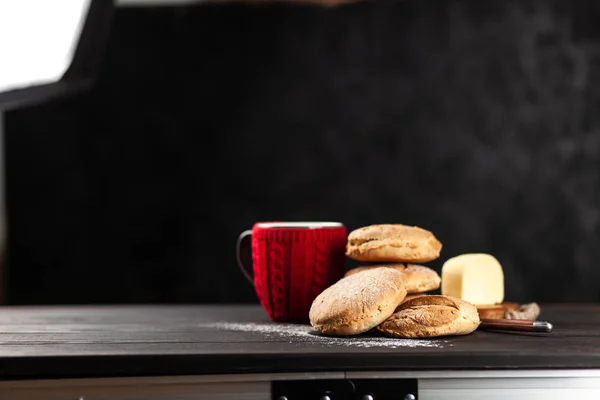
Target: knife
(523, 325)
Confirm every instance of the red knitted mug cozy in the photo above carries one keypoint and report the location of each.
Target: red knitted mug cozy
(292, 266)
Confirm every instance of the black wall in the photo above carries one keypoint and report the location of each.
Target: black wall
(476, 120)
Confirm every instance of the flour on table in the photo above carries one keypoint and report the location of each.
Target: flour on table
(305, 333)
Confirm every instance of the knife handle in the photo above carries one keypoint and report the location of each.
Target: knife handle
(523, 325)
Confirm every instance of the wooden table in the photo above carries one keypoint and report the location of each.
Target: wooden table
(235, 352)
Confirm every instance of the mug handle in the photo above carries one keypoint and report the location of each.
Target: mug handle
(244, 255)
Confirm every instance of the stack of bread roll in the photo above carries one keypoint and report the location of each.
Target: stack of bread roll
(390, 291)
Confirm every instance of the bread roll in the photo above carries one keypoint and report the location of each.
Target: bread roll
(357, 303)
(417, 278)
(431, 316)
(392, 243)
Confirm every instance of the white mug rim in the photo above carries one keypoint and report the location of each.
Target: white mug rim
(300, 224)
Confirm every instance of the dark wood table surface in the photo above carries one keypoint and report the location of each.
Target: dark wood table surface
(108, 341)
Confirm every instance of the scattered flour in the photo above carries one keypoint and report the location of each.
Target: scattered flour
(305, 333)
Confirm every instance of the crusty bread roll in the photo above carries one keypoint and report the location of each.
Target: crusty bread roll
(417, 278)
(357, 303)
(431, 316)
(392, 243)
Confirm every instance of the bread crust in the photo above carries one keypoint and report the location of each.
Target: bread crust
(357, 303)
(393, 243)
(410, 297)
(432, 316)
(417, 278)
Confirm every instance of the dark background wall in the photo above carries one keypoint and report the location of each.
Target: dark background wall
(476, 120)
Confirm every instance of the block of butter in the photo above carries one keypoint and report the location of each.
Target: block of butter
(477, 278)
